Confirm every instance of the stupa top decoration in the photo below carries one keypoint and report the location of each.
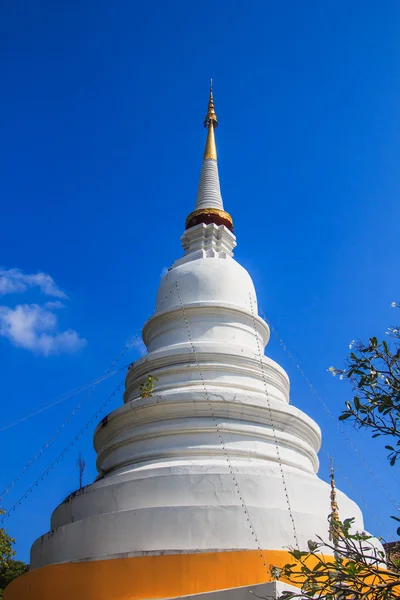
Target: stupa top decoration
(211, 122)
(209, 206)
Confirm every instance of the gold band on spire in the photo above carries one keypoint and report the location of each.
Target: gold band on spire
(211, 122)
(209, 215)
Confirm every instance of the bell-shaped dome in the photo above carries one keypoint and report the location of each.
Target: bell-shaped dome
(211, 281)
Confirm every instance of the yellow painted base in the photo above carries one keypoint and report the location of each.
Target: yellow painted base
(143, 577)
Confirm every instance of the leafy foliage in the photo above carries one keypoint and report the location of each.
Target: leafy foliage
(6, 549)
(374, 371)
(351, 566)
(8, 573)
(9, 568)
(147, 388)
(351, 569)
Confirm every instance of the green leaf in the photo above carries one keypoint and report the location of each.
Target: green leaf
(344, 416)
(312, 546)
(298, 554)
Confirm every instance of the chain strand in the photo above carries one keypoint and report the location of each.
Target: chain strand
(220, 437)
(62, 454)
(51, 440)
(366, 465)
(276, 443)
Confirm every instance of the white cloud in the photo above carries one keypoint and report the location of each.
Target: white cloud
(34, 327)
(14, 281)
(52, 304)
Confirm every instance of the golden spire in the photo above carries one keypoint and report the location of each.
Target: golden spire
(211, 122)
(209, 207)
(334, 532)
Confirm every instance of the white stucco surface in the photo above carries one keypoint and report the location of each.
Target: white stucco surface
(209, 193)
(185, 469)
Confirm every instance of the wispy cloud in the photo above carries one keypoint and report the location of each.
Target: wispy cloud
(34, 327)
(15, 281)
(52, 304)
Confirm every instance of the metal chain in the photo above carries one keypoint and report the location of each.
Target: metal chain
(51, 440)
(61, 455)
(218, 430)
(276, 443)
(337, 423)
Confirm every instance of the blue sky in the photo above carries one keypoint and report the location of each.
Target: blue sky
(102, 107)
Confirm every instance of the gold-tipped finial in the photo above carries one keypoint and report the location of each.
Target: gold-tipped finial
(211, 122)
(211, 116)
(334, 532)
(209, 182)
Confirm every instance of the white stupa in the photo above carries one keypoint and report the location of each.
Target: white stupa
(207, 481)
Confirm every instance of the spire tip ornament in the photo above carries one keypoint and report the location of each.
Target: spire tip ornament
(209, 208)
(211, 122)
(211, 117)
